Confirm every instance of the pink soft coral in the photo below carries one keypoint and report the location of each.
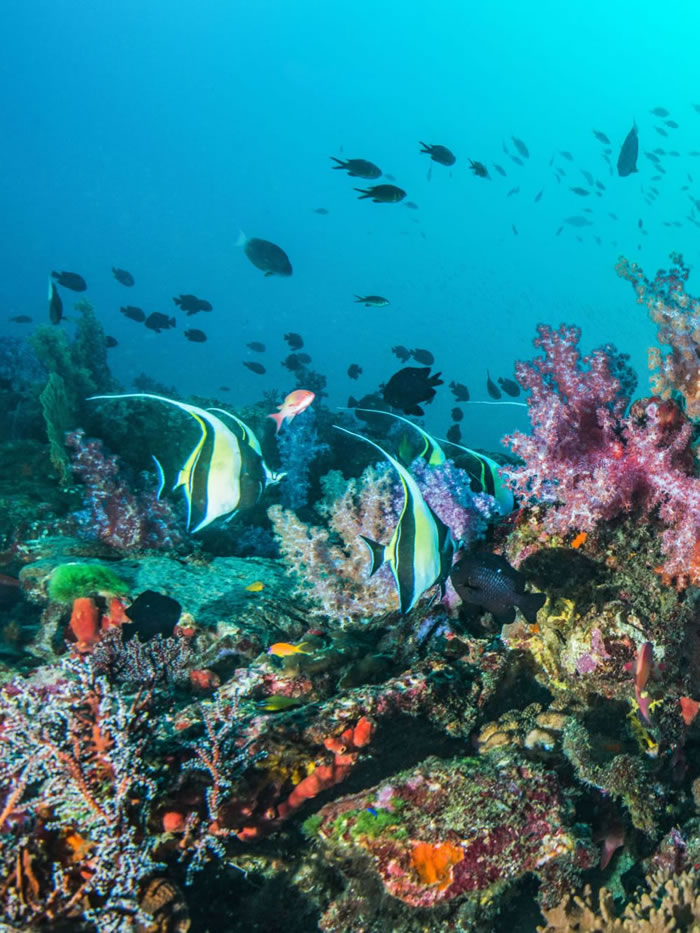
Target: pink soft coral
(593, 463)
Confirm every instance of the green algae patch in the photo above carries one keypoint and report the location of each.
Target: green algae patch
(71, 581)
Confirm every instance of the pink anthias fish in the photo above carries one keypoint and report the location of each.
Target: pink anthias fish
(293, 405)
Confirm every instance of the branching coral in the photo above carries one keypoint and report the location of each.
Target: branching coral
(665, 905)
(74, 798)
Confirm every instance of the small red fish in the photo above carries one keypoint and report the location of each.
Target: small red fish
(296, 402)
(689, 709)
(641, 676)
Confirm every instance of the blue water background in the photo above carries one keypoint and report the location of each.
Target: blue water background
(148, 134)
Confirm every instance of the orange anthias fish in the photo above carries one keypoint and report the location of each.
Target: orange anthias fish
(283, 649)
(293, 405)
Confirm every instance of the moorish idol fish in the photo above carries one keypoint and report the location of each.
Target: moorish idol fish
(224, 473)
(487, 474)
(421, 548)
(432, 452)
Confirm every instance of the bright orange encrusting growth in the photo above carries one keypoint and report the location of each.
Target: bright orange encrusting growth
(433, 863)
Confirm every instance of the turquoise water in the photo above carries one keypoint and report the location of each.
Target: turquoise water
(148, 135)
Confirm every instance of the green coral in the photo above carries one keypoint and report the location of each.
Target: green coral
(311, 825)
(70, 581)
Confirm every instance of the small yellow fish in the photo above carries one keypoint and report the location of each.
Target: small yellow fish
(283, 649)
(255, 587)
(277, 703)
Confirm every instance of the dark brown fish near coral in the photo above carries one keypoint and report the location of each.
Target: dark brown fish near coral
(191, 304)
(71, 280)
(460, 391)
(382, 194)
(256, 368)
(402, 352)
(55, 304)
(122, 276)
(509, 386)
(491, 386)
(409, 386)
(489, 582)
(294, 341)
(479, 169)
(357, 168)
(157, 321)
(133, 313)
(423, 356)
(196, 336)
(627, 159)
(439, 154)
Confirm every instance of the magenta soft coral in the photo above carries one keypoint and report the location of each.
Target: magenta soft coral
(123, 519)
(593, 463)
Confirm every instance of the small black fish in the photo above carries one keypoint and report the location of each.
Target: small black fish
(499, 169)
(640, 223)
(672, 124)
(266, 256)
(20, 319)
(660, 112)
(439, 154)
(70, 280)
(454, 434)
(489, 582)
(151, 614)
(257, 368)
(661, 131)
(191, 304)
(292, 362)
(354, 371)
(357, 168)
(403, 353)
(457, 414)
(372, 301)
(581, 192)
(627, 159)
(304, 358)
(601, 136)
(412, 205)
(460, 391)
(374, 402)
(111, 342)
(55, 304)
(135, 314)
(409, 386)
(514, 229)
(121, 275)
(382, 194)
(196, 336)
(224, 388)
(538, 196)
(320, 210)
(479, 169)
(256, 346)
(513, 191)
(423, 356)
(158, 321)
(491, 386)
(509, 386)
(517, 160)
(521, 147)
(567, 155)
(587, 175)
(294, 341)
(389, 177)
